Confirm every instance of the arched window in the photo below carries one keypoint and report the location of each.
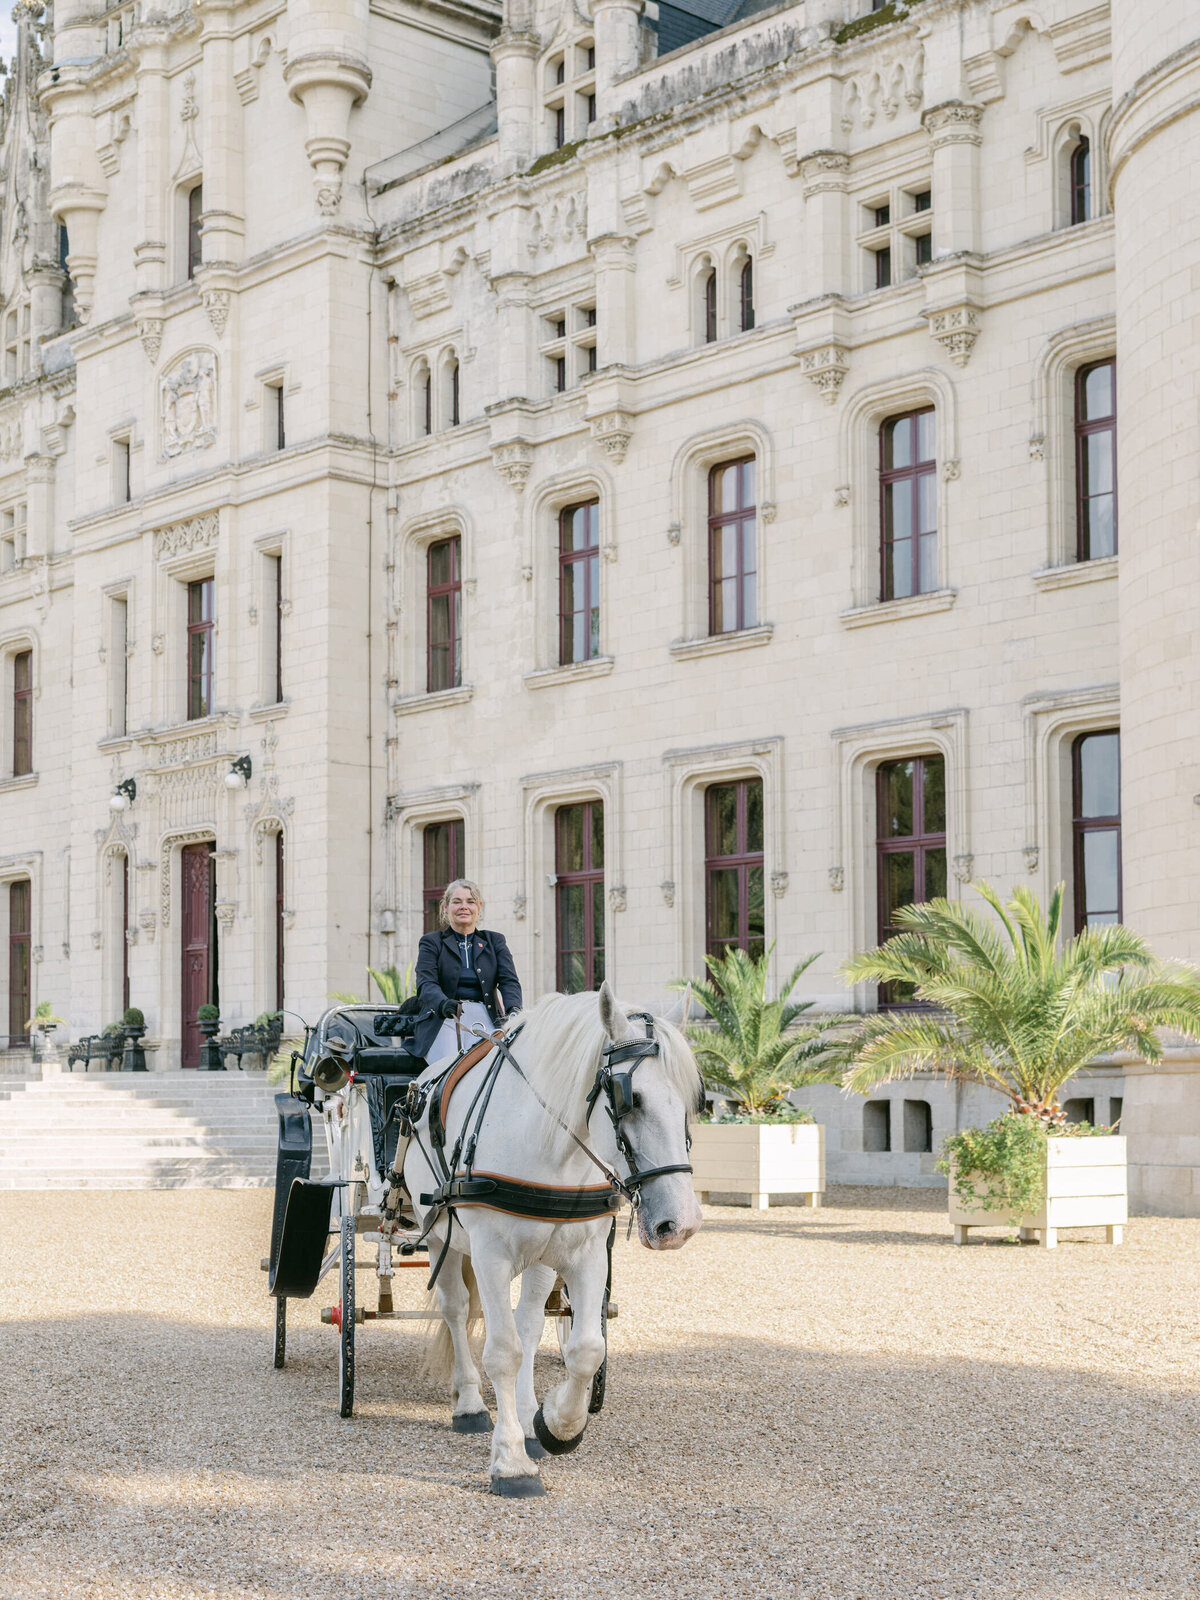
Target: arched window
(1096, 460)
(1081, 181)
(195, 212)
(1096, 825)
(452, 393)
(746, 296)
(422, 401)
(708, 304)
(908, 512)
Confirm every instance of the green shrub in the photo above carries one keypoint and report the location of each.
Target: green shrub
(110, 1029)
(133, 1018)
(1001, 1167)
(264, 1019)
(208, 1013)
(792, 1115)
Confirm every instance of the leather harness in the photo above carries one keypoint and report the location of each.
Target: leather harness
(517, 1197)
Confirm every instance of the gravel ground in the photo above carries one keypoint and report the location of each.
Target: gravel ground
(834, 1403)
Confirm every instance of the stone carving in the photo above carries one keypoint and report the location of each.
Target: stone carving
(225, 911)
(216, 303)
(189, 110)
(962, 867)
(563, 220)
(188, 393)
(518, 909)
(1032, 856)
(779, 883)
(150, 330)
(148, 922)
(97, 939)
(951, 470)
(668, 892)
(674, 533)
(1037, 447)
(841, 495)
(824, 170)
(173, 842)
(956, 330)
(197, 533)
(10, 440)
(837, 879)
(617, 898)
(869, 93)
(158, 643)
(825, 366)
(513, 462)
(612, 431)
(955, 122)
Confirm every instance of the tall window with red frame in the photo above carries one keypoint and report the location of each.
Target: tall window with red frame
(579, 582)
(279, 929)
(579, 893)
(1096, 460)
(200, 649)
(910, 812)
(19, 935)
(709, 305)
(1081, 182)
(908, 510)
(444, 861)
(1096, 827)
(732, 547)
(195, 246)
(733, 868)
(444, 612)
(22, 713)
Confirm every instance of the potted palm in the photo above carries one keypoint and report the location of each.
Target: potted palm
(751, 1055)
(999, 1003)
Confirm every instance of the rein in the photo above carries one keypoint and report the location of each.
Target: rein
(496, 1191)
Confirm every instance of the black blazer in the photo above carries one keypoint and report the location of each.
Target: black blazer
(439, 967)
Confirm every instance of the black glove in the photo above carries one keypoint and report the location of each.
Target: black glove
(448, 1008)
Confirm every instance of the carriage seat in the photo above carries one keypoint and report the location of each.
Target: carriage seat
(373, 1061)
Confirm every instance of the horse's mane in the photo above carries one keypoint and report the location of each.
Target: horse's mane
(560, 1050)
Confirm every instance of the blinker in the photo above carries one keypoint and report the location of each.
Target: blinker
(621, 1094)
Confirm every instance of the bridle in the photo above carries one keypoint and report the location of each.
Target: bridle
(620, 1099)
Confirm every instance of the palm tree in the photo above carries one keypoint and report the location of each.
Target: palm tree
(1009, 1009)
(753, 1054)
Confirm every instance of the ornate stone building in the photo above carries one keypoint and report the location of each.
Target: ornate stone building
(660, 459)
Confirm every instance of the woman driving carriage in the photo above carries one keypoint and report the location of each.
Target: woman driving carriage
(465, 976)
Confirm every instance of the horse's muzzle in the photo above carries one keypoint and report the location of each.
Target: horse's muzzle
(667, 1233)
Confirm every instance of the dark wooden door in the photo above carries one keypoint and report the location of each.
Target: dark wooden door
(19, 927)
(199, 945)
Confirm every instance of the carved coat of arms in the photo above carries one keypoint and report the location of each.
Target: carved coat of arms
(189, 403)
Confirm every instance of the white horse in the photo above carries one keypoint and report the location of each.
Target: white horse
(537, 1119)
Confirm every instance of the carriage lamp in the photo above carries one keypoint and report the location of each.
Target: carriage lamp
(239, 773)
(329, 1071)
(123, 795)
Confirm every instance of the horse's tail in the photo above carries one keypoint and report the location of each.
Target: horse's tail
(439, 1350)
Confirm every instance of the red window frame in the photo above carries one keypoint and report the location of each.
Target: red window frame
(883, 268)
(442, 846)
(22, 713)
(277, 576)
(579, 965)
(279, 927)
(740, 584)
(908, 486)
(1084, 826)
(925, 843)
(443, 666)
(20, 950)
(124, 932)
(710, 306)
(1081, 182)
(746, 862)
(579, 583)
(1087, 429)
(200, 645)
(195, 248)
(746, 297)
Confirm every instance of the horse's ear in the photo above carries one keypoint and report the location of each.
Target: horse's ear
(679, 1012)
(613, 1020)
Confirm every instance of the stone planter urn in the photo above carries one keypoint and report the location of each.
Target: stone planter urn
(759, 1159)
(211, 1058)
(1086, 1187)
(134, 1057)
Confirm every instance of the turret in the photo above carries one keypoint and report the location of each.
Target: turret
(327, 74)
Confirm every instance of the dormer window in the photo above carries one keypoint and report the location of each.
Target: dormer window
(569, 96)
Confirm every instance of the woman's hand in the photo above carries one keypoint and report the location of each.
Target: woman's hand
(448, 1008)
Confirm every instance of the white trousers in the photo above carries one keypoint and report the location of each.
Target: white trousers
(445, 1046)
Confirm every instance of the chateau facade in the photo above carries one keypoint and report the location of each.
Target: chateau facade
(712, 474)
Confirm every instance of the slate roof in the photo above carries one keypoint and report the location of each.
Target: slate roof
(680, 23)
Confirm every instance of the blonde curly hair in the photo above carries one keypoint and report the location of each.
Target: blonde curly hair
(444, 902)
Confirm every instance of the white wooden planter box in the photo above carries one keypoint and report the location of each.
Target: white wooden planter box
(759, 1160)
(1086, 1187)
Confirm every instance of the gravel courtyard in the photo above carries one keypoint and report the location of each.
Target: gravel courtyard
(835, 1403)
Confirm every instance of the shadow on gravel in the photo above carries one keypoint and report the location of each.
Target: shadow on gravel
(159, 1448)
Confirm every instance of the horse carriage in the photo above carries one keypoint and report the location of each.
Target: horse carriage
(495, 1180)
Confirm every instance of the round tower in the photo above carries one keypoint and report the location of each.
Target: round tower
(1153, 152)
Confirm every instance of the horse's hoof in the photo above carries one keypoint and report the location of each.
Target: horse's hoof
(471, 1422)
(534, 1449)
(523, 1488)
(550, 1441)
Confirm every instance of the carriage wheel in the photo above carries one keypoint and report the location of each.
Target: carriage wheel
(346, 1342)
(280, 1330)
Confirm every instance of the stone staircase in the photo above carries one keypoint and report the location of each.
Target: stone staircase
(158, 1130)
